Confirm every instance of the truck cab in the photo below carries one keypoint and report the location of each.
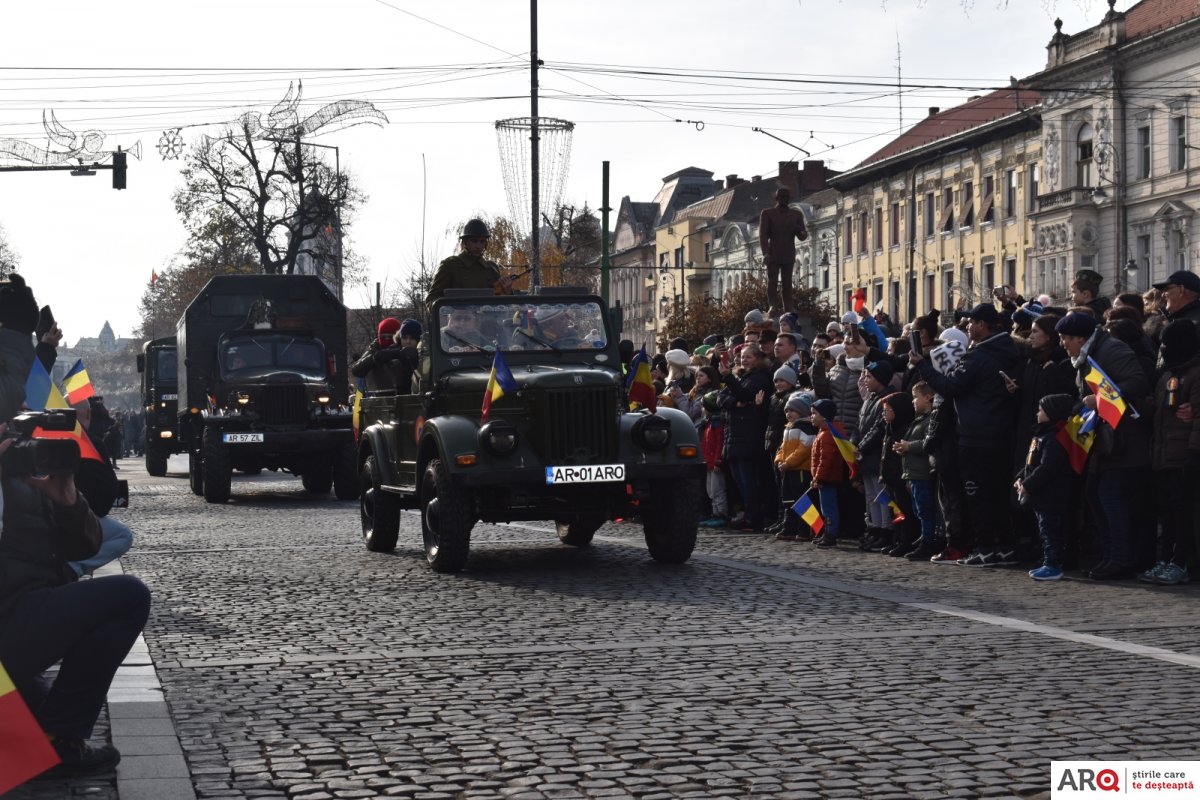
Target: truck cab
(160, 402)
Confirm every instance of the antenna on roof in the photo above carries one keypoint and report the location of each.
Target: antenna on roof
(899, 81)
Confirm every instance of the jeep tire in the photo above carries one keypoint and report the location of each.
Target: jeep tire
(445, 520)
(156, 461)
(670, 520)
(379, 510)
(215, 467)
(196, 474)
(318, 479)
(345, 471)
(579, 531)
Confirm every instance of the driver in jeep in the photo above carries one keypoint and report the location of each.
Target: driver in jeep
(460, 330)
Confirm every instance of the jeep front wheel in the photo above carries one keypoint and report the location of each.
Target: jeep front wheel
(670, 521)
(156, 461)
(196, 474)
(579, 531)
(215, 467)
(345, 472)
(317, 480)
(445, 520)
(379, 510)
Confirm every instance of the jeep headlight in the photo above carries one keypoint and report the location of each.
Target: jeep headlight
(323, 399)
(498, 437)
(242, 398)
(652, 432)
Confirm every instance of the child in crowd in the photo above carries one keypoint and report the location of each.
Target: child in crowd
(828, 468)
(898, 416)
(712, 441)
(873, 386)
(793, 463)
(918, 472)
(777, 420)
(1046, 482)
(1176, 451)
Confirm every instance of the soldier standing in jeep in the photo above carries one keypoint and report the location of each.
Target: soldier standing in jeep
(469, 269)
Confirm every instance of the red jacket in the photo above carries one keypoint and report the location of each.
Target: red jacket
(712, 441)
(828, 466)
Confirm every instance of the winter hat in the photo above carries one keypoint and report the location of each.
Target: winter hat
(786, 373)
(954, 335)
(1058, 406)
(834, 327)
(791, 318)
(826, 408)
(702, 350)
(1179, 342)
(755, 317)
(835, 350)
(800, 401)
(850, 318)
(881, 371)
(386, 332)
(679, 358)
(679, 343)
(410, 327)
(1076, 324)
(1024, 316)
(713, 339)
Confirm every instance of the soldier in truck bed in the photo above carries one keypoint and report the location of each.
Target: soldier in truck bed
(469, 269)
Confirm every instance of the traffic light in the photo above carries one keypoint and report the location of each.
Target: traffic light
(118, 169)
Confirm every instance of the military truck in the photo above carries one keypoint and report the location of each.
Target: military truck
(560, 443)
(263, 384)
(160, 403)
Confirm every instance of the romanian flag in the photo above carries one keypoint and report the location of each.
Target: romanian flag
(1076, 436)
(1109, 403)
(354, 418)
(885, 499)
(41, 393)
(845, 446)
(805, 509)
(499, 382)
(859, 301)
(638, 386)
(153, 277)
(77, 385)
(24, 749)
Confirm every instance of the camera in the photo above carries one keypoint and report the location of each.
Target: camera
(29, 456)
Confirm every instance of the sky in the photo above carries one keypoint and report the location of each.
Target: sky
(651, 87)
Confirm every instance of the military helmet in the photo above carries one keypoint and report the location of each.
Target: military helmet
(475, 227)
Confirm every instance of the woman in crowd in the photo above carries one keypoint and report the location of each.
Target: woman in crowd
(744, 400)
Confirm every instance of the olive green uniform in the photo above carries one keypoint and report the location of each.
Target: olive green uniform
(462, 271)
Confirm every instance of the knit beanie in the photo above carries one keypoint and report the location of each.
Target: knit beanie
(1076, 324)
(387, 330)
(800, 402)
(786, 373)
(881, 371)
(826, 408)
(1058, 406)
(410, 327)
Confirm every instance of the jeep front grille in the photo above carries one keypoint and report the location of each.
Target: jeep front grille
(284, 405)
(580, 425)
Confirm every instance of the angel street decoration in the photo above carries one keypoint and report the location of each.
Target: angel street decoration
(85, 148)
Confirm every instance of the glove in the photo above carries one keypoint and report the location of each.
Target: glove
(18, 309)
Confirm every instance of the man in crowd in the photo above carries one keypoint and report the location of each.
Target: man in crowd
(1085, 291)
(1181, 292)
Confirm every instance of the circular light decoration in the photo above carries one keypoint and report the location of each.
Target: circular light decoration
(170, 145)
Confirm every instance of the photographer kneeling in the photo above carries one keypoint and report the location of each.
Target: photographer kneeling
(46, 616)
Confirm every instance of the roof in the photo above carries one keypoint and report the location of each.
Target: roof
(972, 114)
(1152, 16)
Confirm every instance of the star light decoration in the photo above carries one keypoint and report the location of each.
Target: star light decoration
(170, 144)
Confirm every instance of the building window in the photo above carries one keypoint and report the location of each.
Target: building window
(968, 284)
(1143, 260)
(848, 237)
(1083, 156)
(1042, 288)
(825, 276)
(1143, 151)
(894, 300)
(989, 275)
(948, 288)
(1010, 194)
(947, 221)
(894, 225)
(1179, 146)
(930, 293)
(1031, 194)
(876, 294)
(968, 205)
(987, 207)
(862, 233)
(878, 232)
(1063, 278)
(1010, 273)
(929, 214)
(1180, 250)
(678, 258)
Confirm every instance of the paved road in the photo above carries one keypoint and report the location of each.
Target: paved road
(296, 664)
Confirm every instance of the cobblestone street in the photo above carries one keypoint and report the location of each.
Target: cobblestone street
(296, 664)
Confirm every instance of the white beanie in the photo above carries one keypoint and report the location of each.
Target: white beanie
(850, 318)
(679, 358)
(954, 335)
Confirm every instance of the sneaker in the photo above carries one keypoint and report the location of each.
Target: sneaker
(715, 522)
(949, 556)
(825, 540)
(1006, 559)
(80, 758)
(978, 559)
(1172, 575)
(1151, 575)
(1046, 573)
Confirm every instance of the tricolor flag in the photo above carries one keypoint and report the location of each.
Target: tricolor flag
(153, 277)
(1076, 435)
(1109, 403)
(885, 499)
(845, 446)
(41, 393)
(77, 386)
(859, 301)
(806, 511)
(639, 388)
(24, 749)
(354, 417)
(499, 382)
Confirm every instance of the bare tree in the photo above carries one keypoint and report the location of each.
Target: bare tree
(9, 259)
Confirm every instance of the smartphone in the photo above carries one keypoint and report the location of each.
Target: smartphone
(853, 334)
(1004, 375)
(914, 341)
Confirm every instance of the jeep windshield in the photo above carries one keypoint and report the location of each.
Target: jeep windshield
(521, 324)
(252, 354)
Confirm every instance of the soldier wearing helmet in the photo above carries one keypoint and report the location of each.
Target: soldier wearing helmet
(469, 269)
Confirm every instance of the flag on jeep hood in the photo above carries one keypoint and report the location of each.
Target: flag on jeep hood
(500, 382)
(639, 387)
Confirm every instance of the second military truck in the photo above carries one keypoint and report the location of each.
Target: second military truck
(263, 384)
(160, 403)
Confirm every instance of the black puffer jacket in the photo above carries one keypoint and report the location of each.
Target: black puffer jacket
(745, 420)
(986, 411)
(1129, 445)
(1047, 475)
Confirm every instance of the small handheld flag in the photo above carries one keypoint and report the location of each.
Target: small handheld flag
(500, 382)
(845, 446)
(77, 386)
(1109, 403)
(638, 385)
(1076, 436)
(40, 393)
(24, 749)
(805, 509)
(859, 299)
(885, 499)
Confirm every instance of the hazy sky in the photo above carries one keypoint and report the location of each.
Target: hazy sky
(819, 74)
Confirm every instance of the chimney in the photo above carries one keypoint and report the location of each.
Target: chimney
(813, 176)
(756, 178)
(733, 180)
(934, 111)
(788, 168)
(718, 185)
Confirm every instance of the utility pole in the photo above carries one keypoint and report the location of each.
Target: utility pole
(535, 256)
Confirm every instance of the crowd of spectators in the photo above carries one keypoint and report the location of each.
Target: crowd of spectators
(1062, 436)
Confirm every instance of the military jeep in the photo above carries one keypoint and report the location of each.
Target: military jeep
(560, 443)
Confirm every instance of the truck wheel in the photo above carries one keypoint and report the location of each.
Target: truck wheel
(445, 520)
(579, 532)
(156, 461)
(317, 480)
(380, 511)
(215, 467)
(195, 474)
(671, 520)
(345, 472)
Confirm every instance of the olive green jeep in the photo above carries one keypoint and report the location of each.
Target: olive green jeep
(559, 443)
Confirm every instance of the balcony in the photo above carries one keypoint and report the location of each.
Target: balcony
(1065, 198)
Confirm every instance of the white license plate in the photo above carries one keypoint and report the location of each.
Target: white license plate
(592, 473)
(170, 397)
(241, 438)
